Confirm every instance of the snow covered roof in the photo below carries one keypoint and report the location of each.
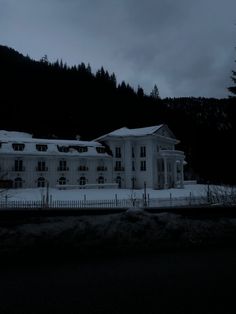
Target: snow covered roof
(9, 135)
(125, 132)
(21, 137)
(54, 146)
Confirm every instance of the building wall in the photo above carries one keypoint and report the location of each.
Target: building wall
(160, 166)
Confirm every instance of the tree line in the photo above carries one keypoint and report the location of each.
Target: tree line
(52, 99)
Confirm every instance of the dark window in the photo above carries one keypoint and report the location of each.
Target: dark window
(100, 150)
(41, 166)
(133, 166)
(118, 152)
(63, 149)
(18, 147)
(118, 166)
(118, 181)
(41, 147)
(143, 151)
(82, 149)
(133, 155)
(62, 166)
(18, 183)
(62, 181)
(143, 165)
(82, 180)
(160, 165)
(18, 165)
(41, 182)
(101, 180)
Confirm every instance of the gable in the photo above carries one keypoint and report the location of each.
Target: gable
(166, 132)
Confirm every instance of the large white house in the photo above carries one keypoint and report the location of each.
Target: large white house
(128, 158)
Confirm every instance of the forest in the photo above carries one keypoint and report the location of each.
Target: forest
(54, 100)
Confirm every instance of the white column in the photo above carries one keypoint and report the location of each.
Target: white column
(128, 164)
(165, 174)
(181, 174)
(174, 172)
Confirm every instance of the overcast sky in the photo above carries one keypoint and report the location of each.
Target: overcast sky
(186, 47)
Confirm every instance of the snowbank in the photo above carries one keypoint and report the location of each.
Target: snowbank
(133, 229)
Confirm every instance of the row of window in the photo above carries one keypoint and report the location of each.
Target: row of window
(41, 166)
(142, 152)
(143, 167)
(62, 149)
(41, 181)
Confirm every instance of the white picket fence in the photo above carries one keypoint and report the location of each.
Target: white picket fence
(144, 202)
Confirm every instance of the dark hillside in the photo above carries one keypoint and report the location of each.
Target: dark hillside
(53, 99)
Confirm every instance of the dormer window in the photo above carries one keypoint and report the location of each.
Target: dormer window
(41, 147)
(100, 150)
(63, 149)
(82, 149)
(18, 147)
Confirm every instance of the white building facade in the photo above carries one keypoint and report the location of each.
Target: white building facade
(126, 158)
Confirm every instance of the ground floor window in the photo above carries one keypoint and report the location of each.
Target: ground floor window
(82, 180)
(118, 181)
(101, 180)
(62, 181)
(18, 183)
(41, 182)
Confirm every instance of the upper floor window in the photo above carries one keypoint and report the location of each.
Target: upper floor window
(63, 166)
(118, 152)
(143, 165)
(83, 168)
(133, 155)
(41, 147)
(143, 151)
(18, 147)
(133, 166)
(118, 166)
(18, 165)
(41, 166)
(100, 150)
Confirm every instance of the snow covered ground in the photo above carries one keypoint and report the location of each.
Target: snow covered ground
(37, 194)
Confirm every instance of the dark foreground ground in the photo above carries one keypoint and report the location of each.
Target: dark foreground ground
(131, 262)
(186, 281)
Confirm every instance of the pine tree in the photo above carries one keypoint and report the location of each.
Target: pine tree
(155, 92)
(232, 89)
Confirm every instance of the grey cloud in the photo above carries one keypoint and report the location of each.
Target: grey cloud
(186, 47)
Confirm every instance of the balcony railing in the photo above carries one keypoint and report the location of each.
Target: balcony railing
(63, 169)
(18, 169)
(101, 168)
(41, 169)
(83, 168)
(119, 169)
